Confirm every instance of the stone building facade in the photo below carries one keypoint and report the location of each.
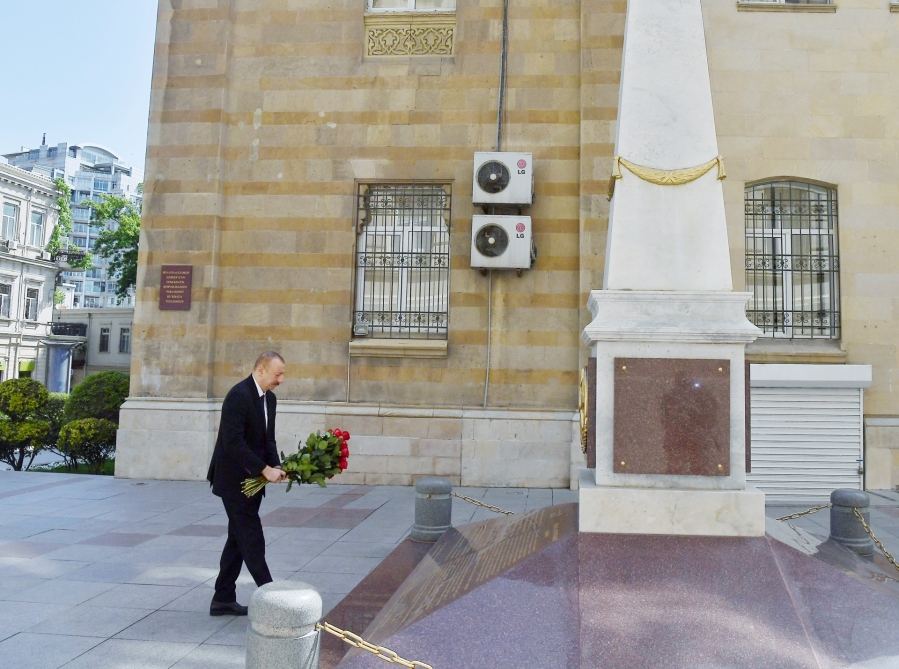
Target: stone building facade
(273, 121)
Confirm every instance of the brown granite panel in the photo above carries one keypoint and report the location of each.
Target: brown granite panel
(672, 416)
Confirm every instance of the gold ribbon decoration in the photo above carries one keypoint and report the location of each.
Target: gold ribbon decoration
(659, 177)
(583, 406)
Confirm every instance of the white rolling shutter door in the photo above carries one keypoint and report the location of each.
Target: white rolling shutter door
(806, 441)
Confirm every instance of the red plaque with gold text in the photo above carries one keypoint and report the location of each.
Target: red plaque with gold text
(174, 287)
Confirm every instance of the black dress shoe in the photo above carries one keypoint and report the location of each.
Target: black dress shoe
(227, 609)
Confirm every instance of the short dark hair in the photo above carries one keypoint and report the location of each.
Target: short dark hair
(265, 358)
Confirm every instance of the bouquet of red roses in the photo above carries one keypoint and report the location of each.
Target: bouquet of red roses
(320, 458)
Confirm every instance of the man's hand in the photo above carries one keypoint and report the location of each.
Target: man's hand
(274, 474)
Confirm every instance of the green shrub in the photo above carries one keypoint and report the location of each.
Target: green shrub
(90, 440)
(54, 414)
(24, 427)
(98, 396)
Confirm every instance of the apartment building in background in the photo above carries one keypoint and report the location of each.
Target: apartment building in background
(90, 170)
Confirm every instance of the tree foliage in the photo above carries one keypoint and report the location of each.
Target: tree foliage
(117, 242)
(24, 427)
(100, 395)
(59, 239)
(89, 440)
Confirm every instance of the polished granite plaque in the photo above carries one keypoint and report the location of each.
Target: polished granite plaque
(671, 416)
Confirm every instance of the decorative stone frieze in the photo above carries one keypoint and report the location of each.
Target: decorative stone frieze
(402, 34)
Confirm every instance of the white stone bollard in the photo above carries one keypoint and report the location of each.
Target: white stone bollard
(281, 632)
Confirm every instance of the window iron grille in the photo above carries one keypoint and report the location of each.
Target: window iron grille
(402, 261)
(792, 259)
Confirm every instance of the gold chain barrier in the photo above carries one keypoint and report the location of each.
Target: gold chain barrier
(484, 505)
(877, 541)
(381, 652)
(861, 519)
(805, 513)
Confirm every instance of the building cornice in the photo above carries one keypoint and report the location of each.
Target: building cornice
(20, 177)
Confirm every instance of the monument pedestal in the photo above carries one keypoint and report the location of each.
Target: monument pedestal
(670, 415)
(716, 513)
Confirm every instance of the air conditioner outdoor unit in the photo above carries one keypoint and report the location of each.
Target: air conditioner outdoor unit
(13, 245)
(45, 255)
(503, 178)
(501, 242)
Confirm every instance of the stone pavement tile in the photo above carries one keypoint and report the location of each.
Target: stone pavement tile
(564, 496)
(87, 553)
(232, 634)
(10, 532)
(118, 539)
(287, 561)
(207, 656)
(59, 592)
(10, 585)
(328, 582)
(197, 599)
(175, 627)
(43, 568)
(67, 536)
(320, 534)
(185, 543)
(379, 533)
(358, 549)
(173, 574)
(144, 554)
(109, 572)
(291, 546)
(132, 654)
(89, 620)
(19, 616)
(44, 651)
(341, 565)
(201, 530)
(137, 596)
(24, 549)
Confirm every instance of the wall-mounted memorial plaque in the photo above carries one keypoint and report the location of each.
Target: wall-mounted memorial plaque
(174, 287)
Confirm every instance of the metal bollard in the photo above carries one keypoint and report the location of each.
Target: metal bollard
(433, 508)
(845, 528)
(281, 632)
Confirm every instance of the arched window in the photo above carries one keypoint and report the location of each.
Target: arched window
(792, 258)
(402, 261)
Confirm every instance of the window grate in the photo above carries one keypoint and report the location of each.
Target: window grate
(402, 261)
(792, 259)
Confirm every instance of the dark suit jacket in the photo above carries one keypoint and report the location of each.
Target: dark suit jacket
(244, 446)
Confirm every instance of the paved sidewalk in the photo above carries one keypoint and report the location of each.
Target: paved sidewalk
(111, 573)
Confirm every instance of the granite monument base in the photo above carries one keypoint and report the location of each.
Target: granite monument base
(716, 513)
(532, 591)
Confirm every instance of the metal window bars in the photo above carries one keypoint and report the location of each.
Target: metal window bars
(402, 260)
(792, 259)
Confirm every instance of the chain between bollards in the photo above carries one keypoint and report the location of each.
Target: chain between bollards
(380, 652)
(484, 505)
(805, 513)
(876, 541)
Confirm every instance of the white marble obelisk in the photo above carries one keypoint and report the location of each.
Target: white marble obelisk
(668, 333)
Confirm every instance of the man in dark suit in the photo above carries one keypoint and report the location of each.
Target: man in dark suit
(245, 448)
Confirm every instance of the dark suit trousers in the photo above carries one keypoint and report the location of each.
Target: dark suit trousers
(245, 545)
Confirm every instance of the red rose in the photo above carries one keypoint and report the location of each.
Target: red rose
(344, 451)
(346, 435)
(342, 464)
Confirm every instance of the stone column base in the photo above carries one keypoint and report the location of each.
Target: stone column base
(716, 513)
